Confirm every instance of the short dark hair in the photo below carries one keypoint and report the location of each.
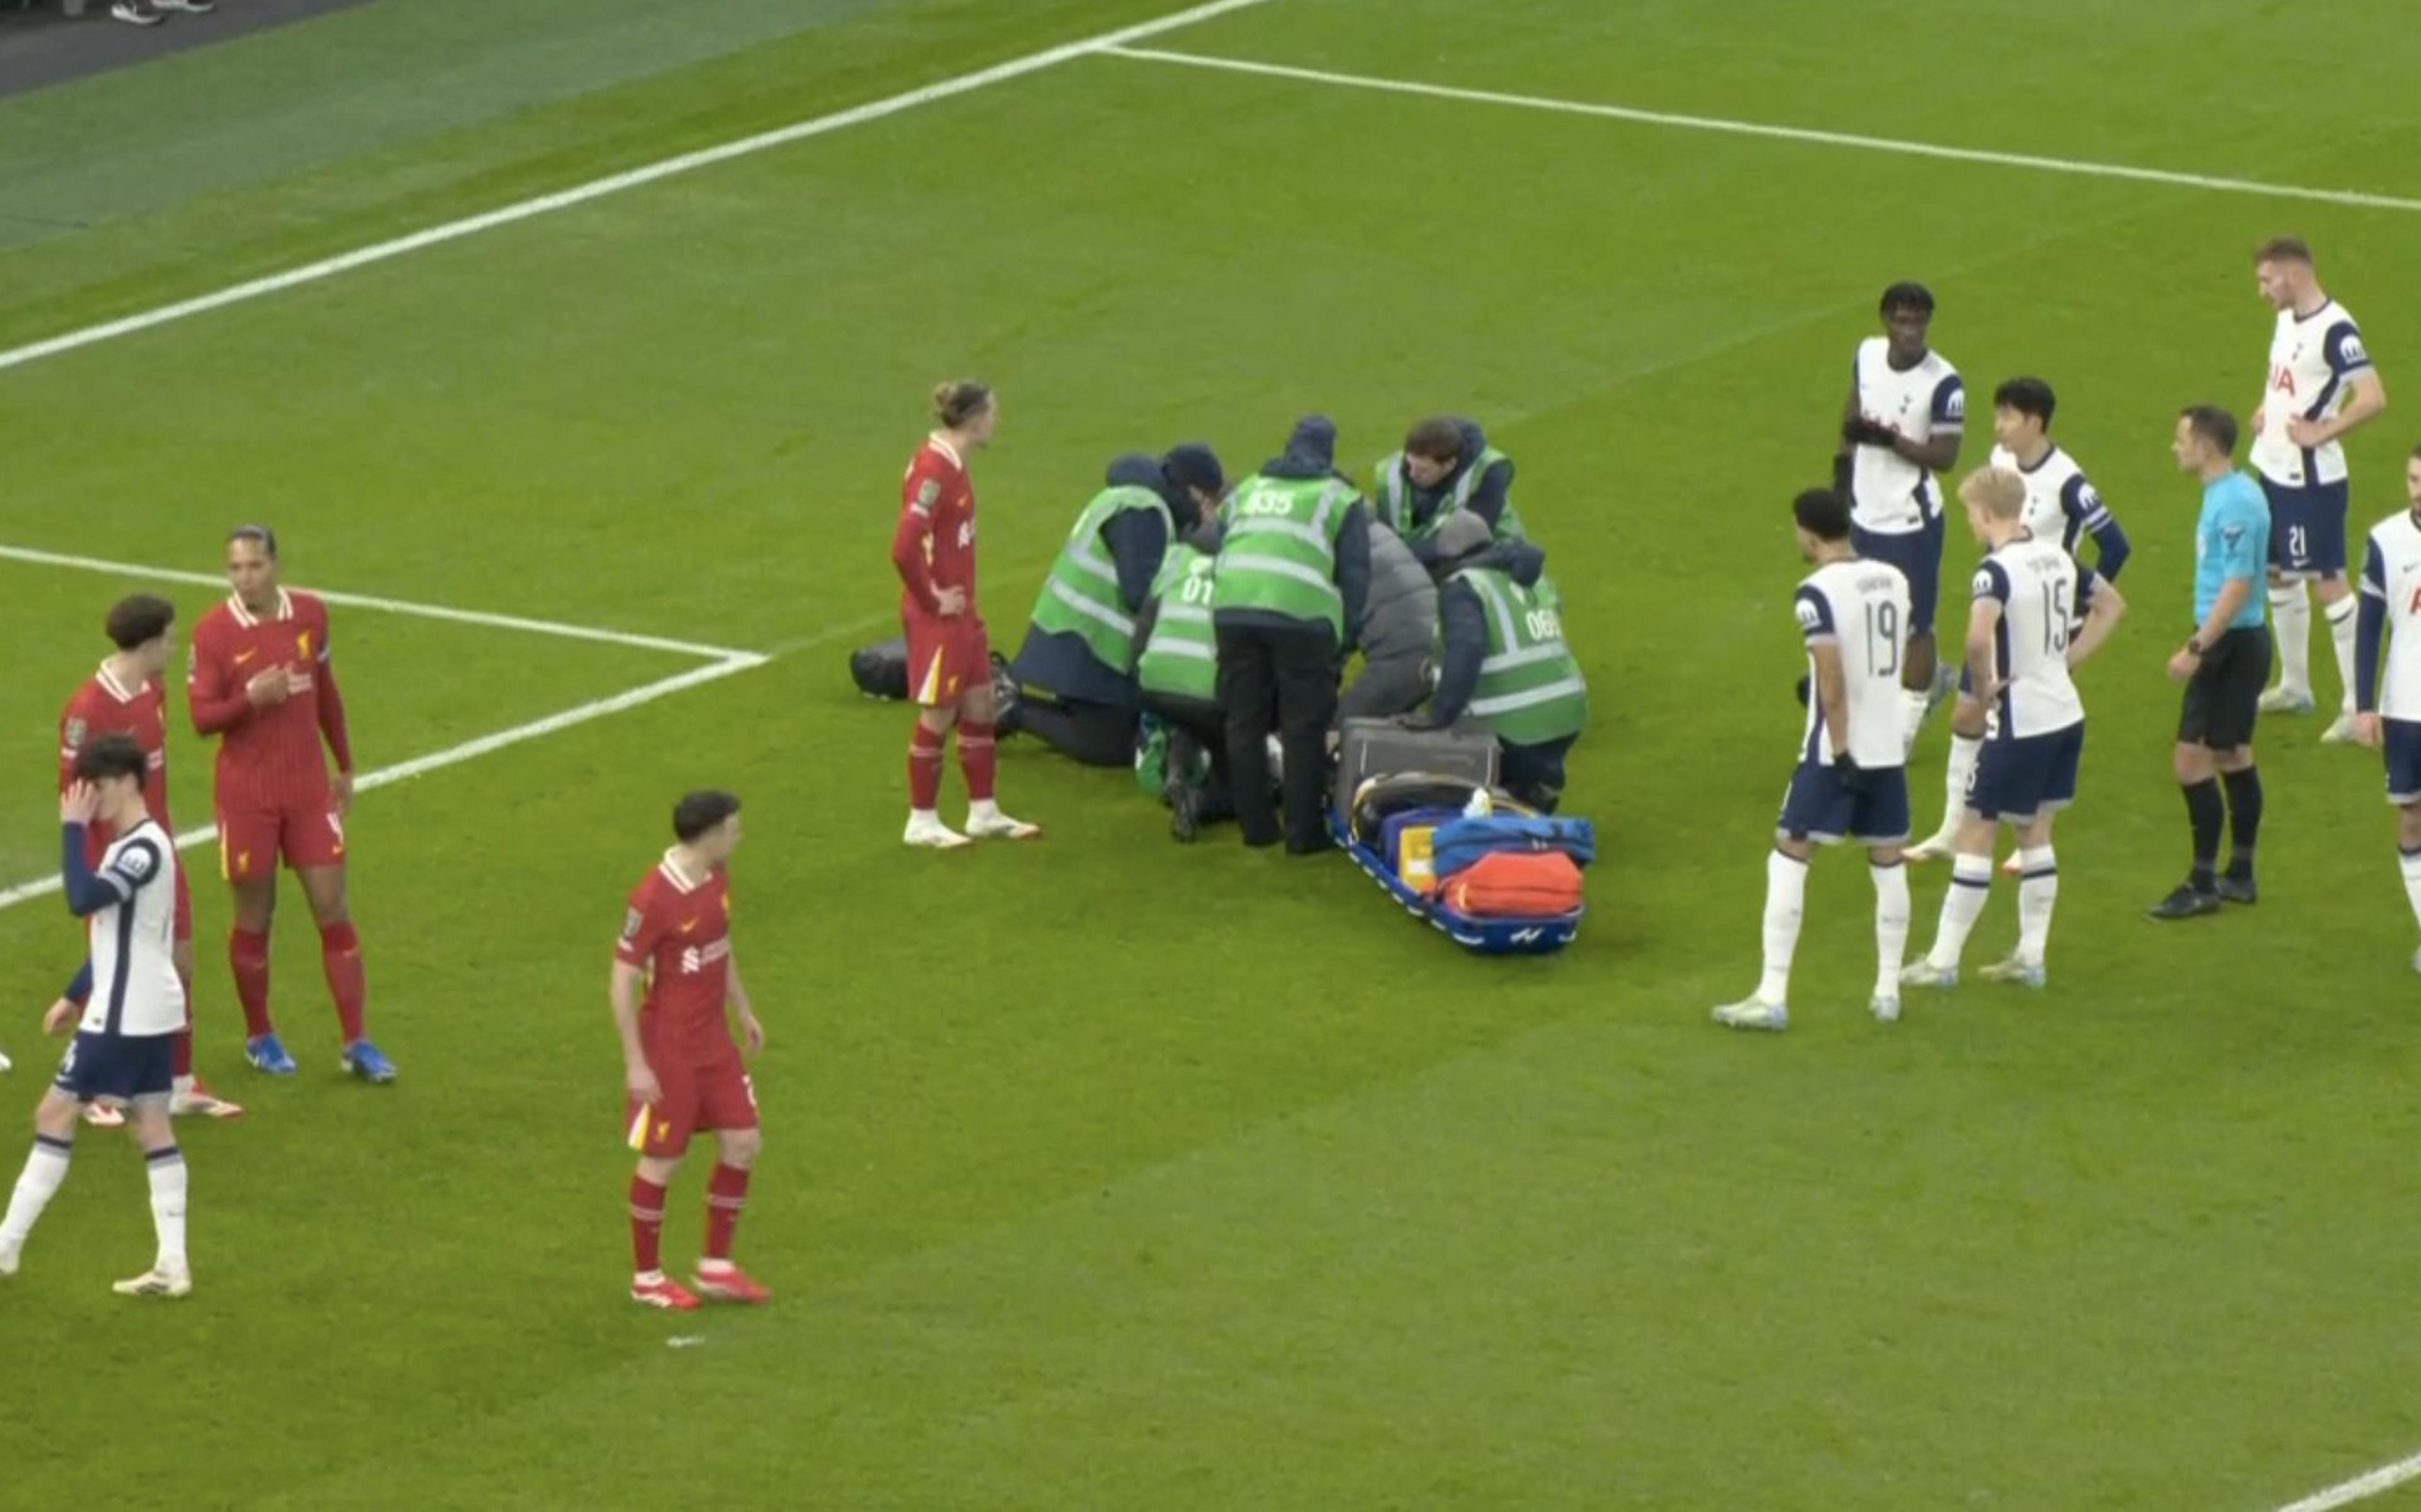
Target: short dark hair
(1438, 439)
(959, 401)
(700, 812)
(2283, 249)
(1907, 295)
(260, 536)
(2027, 396)
(2212, 424)
(1823, 513)
(110, 755)
(138, 619)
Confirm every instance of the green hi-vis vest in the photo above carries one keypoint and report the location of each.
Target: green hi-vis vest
(1280, 550)
(1530, 687)
(1181, 658)
(1080, 595)
(1394, 491)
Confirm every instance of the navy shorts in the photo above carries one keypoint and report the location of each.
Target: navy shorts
(118, 1068)
(1917, 554)
(2018, 779)
(2307, 527)
(2403, 740)
(1818, 807)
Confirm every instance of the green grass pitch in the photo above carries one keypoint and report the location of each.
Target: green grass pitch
(1102, 1173)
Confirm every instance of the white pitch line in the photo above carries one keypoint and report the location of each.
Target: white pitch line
(1779, 134)
(453, 756)
(2344, 1494)
(615, 184)
(392, 606)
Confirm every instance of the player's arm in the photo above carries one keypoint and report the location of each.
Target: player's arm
(2082, 503)
(72, 728)
(1832, 693)
(643, 930)
(212, 697)
(1939, 451)
(752, 1034)
(912, 543)
(2369, 631)
(2100, 600)
(1463, 630)
(333, 728)
(2366, 395)
(1983, 631)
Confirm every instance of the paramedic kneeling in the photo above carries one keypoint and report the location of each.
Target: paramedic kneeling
(1502, 660)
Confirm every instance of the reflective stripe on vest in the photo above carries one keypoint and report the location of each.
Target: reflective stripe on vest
(1181, 658)
(1080, 598)
(1530, 687)
(1280, 552)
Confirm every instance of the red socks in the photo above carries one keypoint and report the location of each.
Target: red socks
(925, 769)
(248, 955)
(340, 956)
(976, 759)
(727, 1193)
(646, 1225)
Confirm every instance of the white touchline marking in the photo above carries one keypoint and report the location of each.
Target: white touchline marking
(2385, 1478)
(392, 606)
(615, 184)
(1760, 129)
(453, 756)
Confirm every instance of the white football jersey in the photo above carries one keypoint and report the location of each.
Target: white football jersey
(1889, 494)
(2391, 573)
(2039, 588)
(2061, 503)
(136, 991)
(1862, 608)
(2311, 361)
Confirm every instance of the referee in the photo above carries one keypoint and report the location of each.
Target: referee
(2224, 666)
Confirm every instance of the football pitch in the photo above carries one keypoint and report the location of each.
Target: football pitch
(1108, 1172)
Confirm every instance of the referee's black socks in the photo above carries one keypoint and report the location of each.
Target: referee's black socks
(2209, 815)
(2244, 819)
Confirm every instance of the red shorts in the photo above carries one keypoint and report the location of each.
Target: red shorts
(254, 831)
(945, 657)
(698, 1097)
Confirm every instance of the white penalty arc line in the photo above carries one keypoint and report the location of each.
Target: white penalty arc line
(2363, 1486)
(2361, 199)
(392, 606)
(616, 183)
(453, 756)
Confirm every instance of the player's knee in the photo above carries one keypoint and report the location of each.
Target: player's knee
(740, 1146)
(658, 1170)
(55, 1116)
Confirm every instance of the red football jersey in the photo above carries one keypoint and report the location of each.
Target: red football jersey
(679, 930)
(274, 750)
(936, 547)
(105, 706)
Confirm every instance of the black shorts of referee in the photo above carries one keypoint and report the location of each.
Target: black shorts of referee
(2224, 694)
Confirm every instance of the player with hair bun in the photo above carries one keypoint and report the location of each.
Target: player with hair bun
(949, 657)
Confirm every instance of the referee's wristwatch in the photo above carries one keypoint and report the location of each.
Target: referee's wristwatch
(2195, 646)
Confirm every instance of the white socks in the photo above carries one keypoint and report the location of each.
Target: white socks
(2291, 609)
(1891, 924)
(1912, 704)
(1786, 900)
(2037, 890)
(2410, 860)
(1966, 751)
(2341, 616)
(44, 1170)
(1971, 884)
(166, 1168)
